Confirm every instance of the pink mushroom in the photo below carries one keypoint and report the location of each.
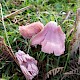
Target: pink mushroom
(51, 38)
(31, 29)
(27, 64)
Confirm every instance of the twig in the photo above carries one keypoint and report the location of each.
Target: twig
(76, 44)
(6, 51)
(17, 12)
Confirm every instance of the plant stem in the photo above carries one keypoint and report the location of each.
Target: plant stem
(4, 26)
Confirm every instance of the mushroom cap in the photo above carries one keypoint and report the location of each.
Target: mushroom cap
(51, 38)
(31, 29)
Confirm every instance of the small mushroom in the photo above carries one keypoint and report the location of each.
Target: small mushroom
(30, 30)
(27, 64)
(51, 38)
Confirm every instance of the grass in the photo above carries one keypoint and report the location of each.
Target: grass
(44, 11)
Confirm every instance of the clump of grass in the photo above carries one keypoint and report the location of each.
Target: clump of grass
(43, 11)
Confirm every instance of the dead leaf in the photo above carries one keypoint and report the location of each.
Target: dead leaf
(54, 71)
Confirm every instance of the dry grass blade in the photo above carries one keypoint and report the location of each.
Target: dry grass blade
(6, 52)
(17, 12)
(54, 71)
(68, 15)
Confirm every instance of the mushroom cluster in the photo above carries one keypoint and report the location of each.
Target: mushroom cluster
(50, 37)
